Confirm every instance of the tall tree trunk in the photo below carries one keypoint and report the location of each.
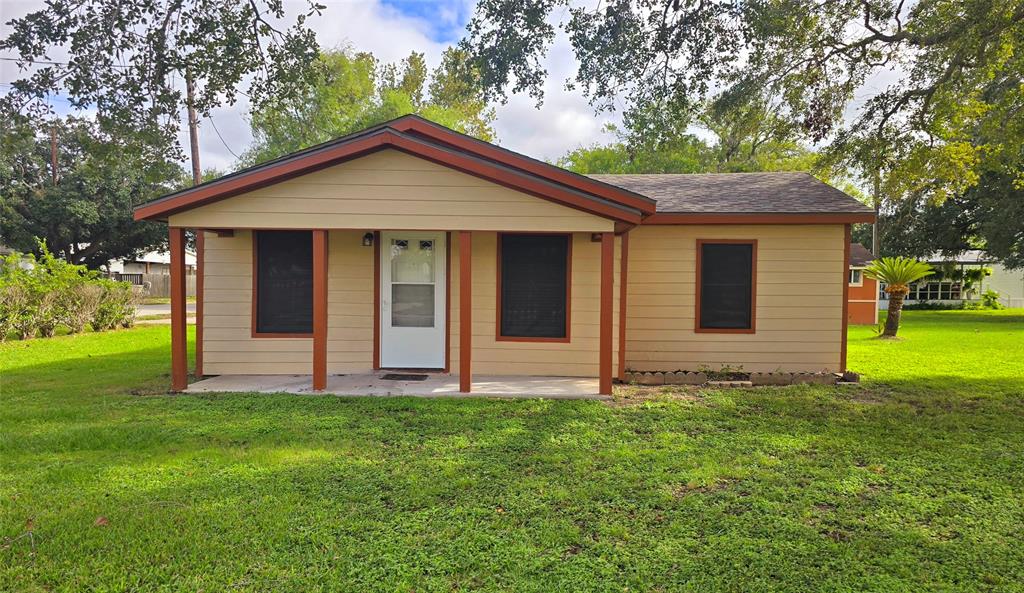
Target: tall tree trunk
(892, 317)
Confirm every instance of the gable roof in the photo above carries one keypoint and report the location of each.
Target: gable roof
(722, 194)
(415, 136)
(860, 256)
(728, 198)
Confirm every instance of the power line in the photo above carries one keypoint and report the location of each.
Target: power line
(222, 138)
(50, 62)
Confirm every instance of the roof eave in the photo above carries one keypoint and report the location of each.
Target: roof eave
(668, 218)
(380, 138)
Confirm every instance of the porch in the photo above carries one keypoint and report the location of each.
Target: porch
(433, 385)
(355, 316)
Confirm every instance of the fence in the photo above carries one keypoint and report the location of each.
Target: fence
(157, 285)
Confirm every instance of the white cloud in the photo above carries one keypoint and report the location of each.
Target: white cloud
(564, 122)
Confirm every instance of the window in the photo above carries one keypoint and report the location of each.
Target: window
(856, 277)
(725, 286)
(283, 282)
(533, 291)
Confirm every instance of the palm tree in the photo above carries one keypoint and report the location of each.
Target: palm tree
(897, 273)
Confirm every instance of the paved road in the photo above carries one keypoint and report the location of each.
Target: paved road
(161, 309)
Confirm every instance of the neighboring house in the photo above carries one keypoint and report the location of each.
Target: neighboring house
(863, 291)
(1008, 283)
(153, 262)
(409, 245)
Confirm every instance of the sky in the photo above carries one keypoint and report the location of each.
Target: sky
(391, 29)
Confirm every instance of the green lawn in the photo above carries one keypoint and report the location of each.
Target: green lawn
(913, 481)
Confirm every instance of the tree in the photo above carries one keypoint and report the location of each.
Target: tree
(128, 60)
(897, 273)
(988, 216)
(352, 91)
(748, 137)
(959, 65)
(86, 216)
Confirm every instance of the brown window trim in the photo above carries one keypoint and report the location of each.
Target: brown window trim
(753, 288)
(255, 301)
(568, 294)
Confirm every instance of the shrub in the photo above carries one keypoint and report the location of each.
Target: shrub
(39, 295)
(990, 299)
(79, 304)
(116, 307)
(17, 313)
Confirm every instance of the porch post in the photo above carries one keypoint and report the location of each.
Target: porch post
(200, 273)
(319, 310)
(623, 293)
(179, 335)
(607, 287)
(465, 311)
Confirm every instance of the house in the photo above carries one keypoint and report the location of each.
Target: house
(952, 282)
(152, 262)
(410, 246)
(863, 291)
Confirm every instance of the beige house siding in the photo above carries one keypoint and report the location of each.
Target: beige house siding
(800, 277)
(229, 347)
(576, 358)
(389, 190)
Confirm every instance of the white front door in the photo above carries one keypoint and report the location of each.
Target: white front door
(412, 300)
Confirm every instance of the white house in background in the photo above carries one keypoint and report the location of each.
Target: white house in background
(154, 262)
(1008, 283)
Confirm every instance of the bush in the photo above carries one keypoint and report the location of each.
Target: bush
(39, 295)
(116, 306)
(990, 299)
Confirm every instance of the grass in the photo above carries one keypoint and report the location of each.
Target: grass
(912, 482)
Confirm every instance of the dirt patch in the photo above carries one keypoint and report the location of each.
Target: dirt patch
(681, 490)
(634, 395)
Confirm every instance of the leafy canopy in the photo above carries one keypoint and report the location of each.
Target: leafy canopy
(128, 60)
(351, 91)
(897, 272)
(921, 78)
(86, 217)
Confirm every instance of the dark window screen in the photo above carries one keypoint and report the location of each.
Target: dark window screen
(533, 285)
(726, 274)
(284, 282)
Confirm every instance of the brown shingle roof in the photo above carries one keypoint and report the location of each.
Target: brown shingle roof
(860, 256)
(747, 193)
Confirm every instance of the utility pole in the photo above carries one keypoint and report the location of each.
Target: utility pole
(876, 237)
(197, 178)
(193, 130)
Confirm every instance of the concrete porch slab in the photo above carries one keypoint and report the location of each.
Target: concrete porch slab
(436, 385)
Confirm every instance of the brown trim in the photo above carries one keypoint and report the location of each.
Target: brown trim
(751, 218)
(376, 300)
(255, 301)
(513, 179)
(465, 311)
(447, 301)
(607, 294)
(179, 325)
(623, 293)
(320, 269)
(495, 153)
(846, 297)
(753, 288)
(568, 294)
(200, 276)
(500, 173)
